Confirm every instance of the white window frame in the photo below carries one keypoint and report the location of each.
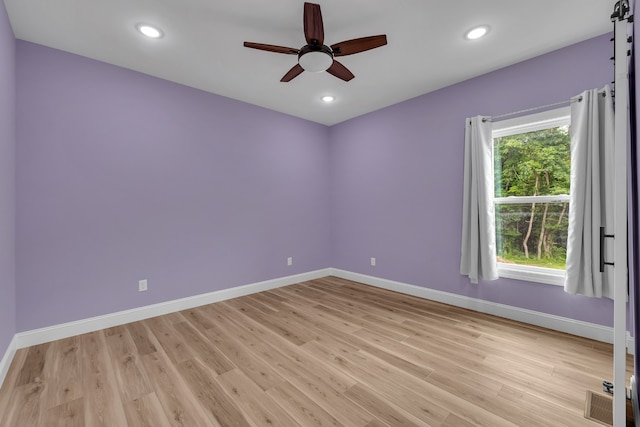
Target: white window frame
(523, 124)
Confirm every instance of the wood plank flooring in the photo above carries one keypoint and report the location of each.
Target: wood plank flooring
(327, 352)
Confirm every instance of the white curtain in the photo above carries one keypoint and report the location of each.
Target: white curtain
(591, 205)
(478, 249)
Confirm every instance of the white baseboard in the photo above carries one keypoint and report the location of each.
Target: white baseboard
(631, 344)
(7, 359)
(65, 330)
(558, 323)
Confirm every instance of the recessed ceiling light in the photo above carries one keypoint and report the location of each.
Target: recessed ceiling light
(149, 31)
(328, 99)
(477, 32)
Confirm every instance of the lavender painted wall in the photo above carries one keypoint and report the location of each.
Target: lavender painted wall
(7, 183)
(397, 179)
(122, 176)
(634, 227)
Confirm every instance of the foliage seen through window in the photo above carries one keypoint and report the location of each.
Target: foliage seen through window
(532, 229)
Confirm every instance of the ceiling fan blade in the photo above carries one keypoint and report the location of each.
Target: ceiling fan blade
(349, 47)
(313, 27)
(292, 73)
(272, 48)
(340, 71)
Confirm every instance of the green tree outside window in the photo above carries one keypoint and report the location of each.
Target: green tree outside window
(532, 164)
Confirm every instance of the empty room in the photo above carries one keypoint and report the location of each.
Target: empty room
(417, 213)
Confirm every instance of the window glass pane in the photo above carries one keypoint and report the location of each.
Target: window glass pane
(533, 163)
(532, 233)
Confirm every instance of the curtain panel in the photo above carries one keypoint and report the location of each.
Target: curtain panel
(478, 248)
(592, 168)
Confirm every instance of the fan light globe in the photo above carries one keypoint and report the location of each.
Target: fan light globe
(315, 62)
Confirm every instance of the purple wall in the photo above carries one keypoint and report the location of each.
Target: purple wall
(7, 183)
(634, 227)
(122, 176)
(397, 179)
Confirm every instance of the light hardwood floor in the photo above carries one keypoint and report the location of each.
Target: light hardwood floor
(328, 352)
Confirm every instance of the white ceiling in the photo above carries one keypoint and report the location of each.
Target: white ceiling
(202, 46)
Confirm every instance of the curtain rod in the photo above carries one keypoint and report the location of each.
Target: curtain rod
(540, 107)
(528, 110)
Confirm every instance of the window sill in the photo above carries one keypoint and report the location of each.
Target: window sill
(549, 276)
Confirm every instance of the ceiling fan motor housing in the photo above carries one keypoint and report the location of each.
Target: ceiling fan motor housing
(315, 58)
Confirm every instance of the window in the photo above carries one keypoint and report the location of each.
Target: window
(532, 169)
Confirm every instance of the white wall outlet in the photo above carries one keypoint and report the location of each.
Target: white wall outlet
(142, 285)
(290, 260)
(373, 262)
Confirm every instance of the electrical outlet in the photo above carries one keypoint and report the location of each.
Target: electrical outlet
(142, 285)
(290, 260)
(373, 262)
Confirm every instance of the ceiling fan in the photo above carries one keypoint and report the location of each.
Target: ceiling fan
(315, 56)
